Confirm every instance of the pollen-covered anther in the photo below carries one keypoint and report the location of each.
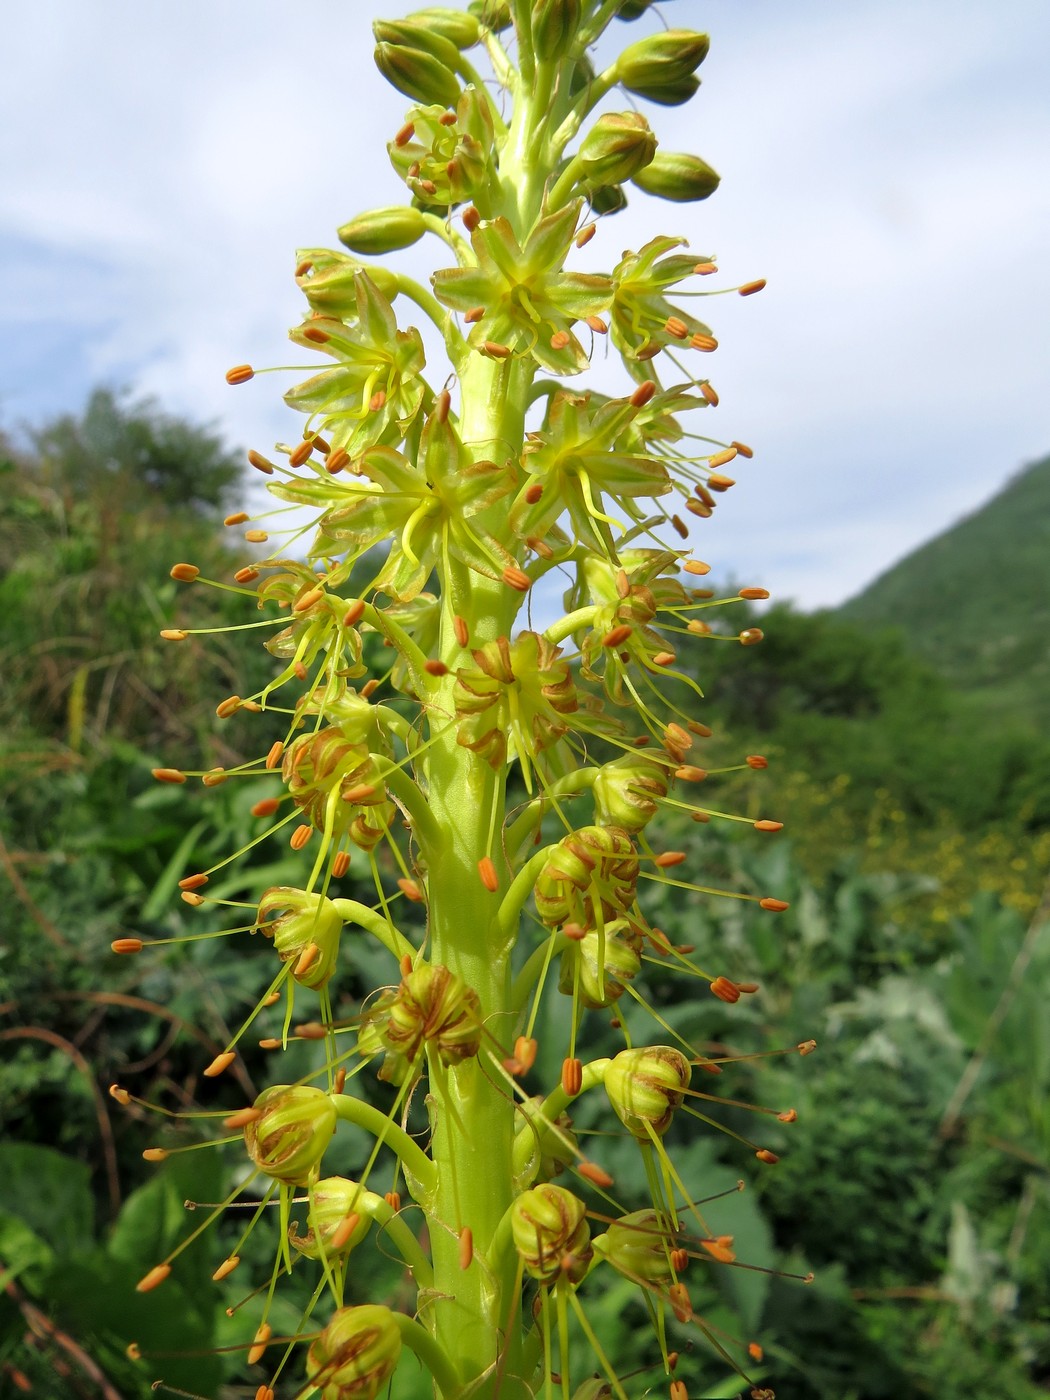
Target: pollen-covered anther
(168, 775)
(225, 708)
(173, 634)
(643, 394)
(301, 453)
(753, 594)
(359, 792)
(258, 1347)
(664, 658)
(774, 906)
(246, 575)
(678, 1297)
(750, 288)
(517, 579)
(617, 635)
(595, 1174)
(750, 636)
(571, 1076)
(241, 1119)
(256, 536)
(706, 343)
(239, 374)
(674, 326)
(192, 898)
(743, 448)
(300, 836)
(219, 1064)
(668, 858)
(725, 990)
(153, 1279)
(559, 340)
(487, 872)
(757, 761)
(765, 825)
(126, 945)
(696, 566)
(340, 864)
(698, 508)
(154, 1154)
(788, 1115)
(764, 1155)
(238, 518)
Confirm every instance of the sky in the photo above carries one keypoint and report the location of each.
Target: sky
(885, 165)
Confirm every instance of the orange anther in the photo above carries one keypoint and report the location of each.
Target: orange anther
(220, 1063)
(696, 566)
(598, 1176)
(678, 1297)
(225, 708)
(775, 906)
(377, 401)
(466, 1247)
(690, 774)
(718, 481)
(404, 136)
(725, 990)
(246, 575)
(301, 453)
(709, 393)
(789, 1115)
(272, 999)
(459, 627)
(360, 792)
(806, 1047)
(751, 636)
(586, 234)
(571, 1076)
(496, 351)
(698, 508)
(339, 1081)
(575, 932)
(643, 393)
(487, 871)
(265, 807)
(681, 528)
(679, 1260)
(154, 1154)
(533, 492)
(345, 1229)
(184, 573)
(311, 1030)
(308, 599)
(340, 864)
(669, 858)
(674, 326)
(718, 1249)
(226, 1268)
(435, 668)
(261, 463)
(705, 268)
(765, 825)
(755, 1351)
(664, 658)
(173, 634)
(354, 613)
(560, 339)
(474, 314)
(471, 218)
(516, 578)
(270, 1042)
(121, 1095)
(764, 1155)
(214, 777)
(275, 754)
(597, 325)
(300, 836)
(750, 288)
(126, 945)
(168, 775)
(525, 1052)
(258, 1347)
(306, 959)
(316, 334)
(707, 343)
(256, 536)
(239, 374)
(192, 898)
(616, 635)
(241, 1119)
(236, 519)
(757, 760)
(153, 1279)
(703, 494)
(337, 460)
(393, 1199)
(411, 890)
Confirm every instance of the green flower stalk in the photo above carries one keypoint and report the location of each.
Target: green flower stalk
(467, 785)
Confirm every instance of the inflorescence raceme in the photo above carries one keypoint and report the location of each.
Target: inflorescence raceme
(419, 511)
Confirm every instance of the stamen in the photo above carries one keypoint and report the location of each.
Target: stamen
(239, 374)
(750, 288)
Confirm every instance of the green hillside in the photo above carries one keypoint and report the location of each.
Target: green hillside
(975, 602)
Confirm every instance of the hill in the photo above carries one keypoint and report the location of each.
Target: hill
(975, 603)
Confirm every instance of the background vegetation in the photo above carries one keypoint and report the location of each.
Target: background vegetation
(908, 766)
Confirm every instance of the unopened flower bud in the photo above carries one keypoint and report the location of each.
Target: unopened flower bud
(335, 1202)
(627, 792)
(328, 281)
(383, 230)
(678, 177)
(550, 1233)
(417, 34)
(632, 9)
(645, 1086)
(554, 26)
(297, 920)
(593, 1388)
(458, 28)
(595, 862)
(608, 199)
(657, 66)
(433, 1007)
(493, 14)
(600, 967)
(417, 74)
(637, 1245)
(618, 147)
(289, 1138)
(356, 1354)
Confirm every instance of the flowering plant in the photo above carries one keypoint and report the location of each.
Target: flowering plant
(506, 779)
